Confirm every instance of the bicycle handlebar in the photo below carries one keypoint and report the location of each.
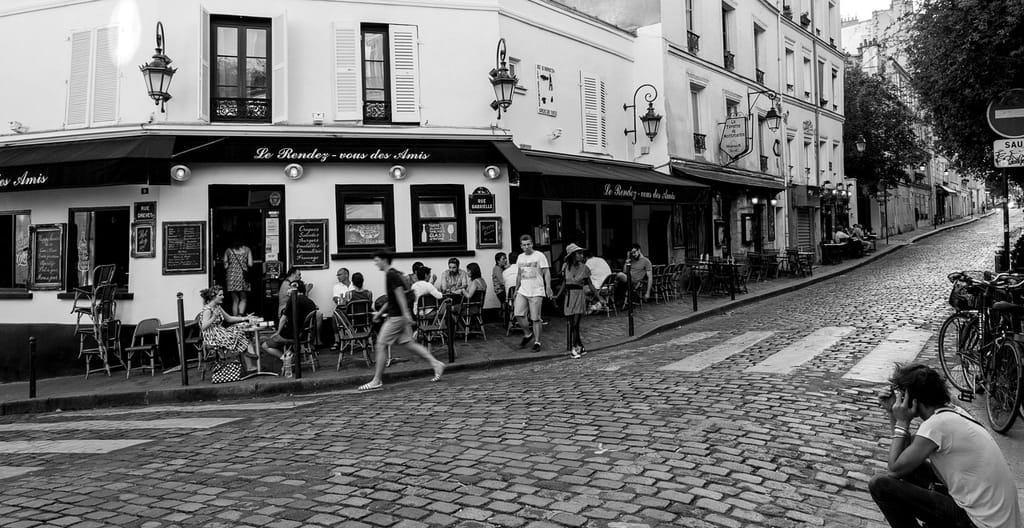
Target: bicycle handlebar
(995, 282)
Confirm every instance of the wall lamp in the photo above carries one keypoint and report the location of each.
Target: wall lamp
(492, 172)
(158, 72)
(862, 144)
(181, 173)
(773, 202)
(397, 172)
(293, 171)
(772, 118)
(649, 120)
(755, 200)
(502, 81)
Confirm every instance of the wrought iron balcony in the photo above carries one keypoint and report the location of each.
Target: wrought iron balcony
(759, 76)
(805, 19)
(699, 143)
(240, 109)
(790, 88)
(764, 163)
(692, 42)
(787, 11)
(730, 61)
(823, 102)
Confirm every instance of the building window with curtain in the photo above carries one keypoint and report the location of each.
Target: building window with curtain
(14, 249)
(438, 216)
(366, 217)
(96, 237)
(241, 74)
(376, 77)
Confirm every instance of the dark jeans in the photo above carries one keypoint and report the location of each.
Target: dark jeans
(903, 501)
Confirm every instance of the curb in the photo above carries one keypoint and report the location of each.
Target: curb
(312, 386)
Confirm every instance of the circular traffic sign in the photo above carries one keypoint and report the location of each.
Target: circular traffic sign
(1006, 113)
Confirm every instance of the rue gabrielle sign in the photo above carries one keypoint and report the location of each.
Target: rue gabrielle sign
(324, 156)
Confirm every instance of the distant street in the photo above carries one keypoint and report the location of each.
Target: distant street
(764, 416)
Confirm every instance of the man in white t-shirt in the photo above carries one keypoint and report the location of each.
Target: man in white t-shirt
(981, 489)
(533, 284)
(341, 287)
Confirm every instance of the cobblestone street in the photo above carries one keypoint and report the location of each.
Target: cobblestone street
(691, 427)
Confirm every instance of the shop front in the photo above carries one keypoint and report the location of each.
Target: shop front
(163, 209)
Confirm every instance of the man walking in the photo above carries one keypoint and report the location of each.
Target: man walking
(533, 284)
(397, 328)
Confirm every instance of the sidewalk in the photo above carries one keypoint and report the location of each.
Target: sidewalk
(76, 392)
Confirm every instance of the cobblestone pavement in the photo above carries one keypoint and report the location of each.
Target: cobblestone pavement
(623, 438)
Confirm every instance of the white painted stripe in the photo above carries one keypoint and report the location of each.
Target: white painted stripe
(802, 351)
(702, 360)
(15, 471)
(690, 338)
(900, 346)
(67, 446)
(679, 341)
(269, 406)
(103, 425)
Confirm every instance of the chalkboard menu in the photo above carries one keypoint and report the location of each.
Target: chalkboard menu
(308, 243)
(184, 245)
(47, 252)
(432, 232)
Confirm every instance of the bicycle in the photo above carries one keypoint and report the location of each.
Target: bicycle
(980, 341)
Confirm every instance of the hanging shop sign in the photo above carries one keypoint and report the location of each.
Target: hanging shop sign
(734, 137)
(481, 201)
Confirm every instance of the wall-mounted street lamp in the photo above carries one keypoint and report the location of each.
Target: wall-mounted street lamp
(650, 120)
(158, 72)
(862, 144)
(772, 118)
(503, 82)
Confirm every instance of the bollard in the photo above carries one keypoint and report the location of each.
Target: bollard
(629, 296)
(450, 330)
(297, 352)
(181, 340)
(694, 288)
(32, 367)
(732, 281)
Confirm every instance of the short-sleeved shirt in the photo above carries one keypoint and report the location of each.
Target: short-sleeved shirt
(394, 279)
(531, 280)
(508, 277)
(971, 465)
(639, 268)
(304, 306)
(340, 289)
(496, 278)
(421, 288)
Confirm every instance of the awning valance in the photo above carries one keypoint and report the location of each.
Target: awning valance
(942, 188)
(720, 176)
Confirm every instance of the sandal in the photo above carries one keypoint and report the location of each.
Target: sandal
(370, 387)
(438, 373)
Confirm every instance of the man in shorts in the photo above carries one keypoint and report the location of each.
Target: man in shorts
(533, 284)
(397, 328)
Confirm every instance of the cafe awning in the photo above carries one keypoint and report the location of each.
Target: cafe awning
(732, 177)
(942, 188)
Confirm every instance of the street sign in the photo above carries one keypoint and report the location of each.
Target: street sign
(734, 137)
(1006, 113)
(1008, 153)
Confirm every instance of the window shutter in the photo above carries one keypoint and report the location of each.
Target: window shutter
(592, 96)
(204, 65)
(78, 79)
(105, 77)
(279, 75)
(405, 97)
(348, 83)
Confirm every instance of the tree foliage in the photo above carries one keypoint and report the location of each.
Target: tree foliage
(962, 53)
(876, 113)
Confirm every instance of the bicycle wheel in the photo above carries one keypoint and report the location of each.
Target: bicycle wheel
(959, 343)
(1003, 384)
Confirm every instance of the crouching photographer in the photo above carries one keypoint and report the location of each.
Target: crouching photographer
(950, 473)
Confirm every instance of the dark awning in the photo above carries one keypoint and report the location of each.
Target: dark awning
(140, 160)
(726, 176)
(563, 176)
(943, 188)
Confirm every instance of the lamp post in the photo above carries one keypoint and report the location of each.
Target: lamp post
(158, 72)
(503, 82)
(650, 120)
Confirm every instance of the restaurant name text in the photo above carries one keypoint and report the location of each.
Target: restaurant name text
(621, 191)
(24, 180)
(290, 154)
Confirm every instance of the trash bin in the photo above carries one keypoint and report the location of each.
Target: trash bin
(1001, 264)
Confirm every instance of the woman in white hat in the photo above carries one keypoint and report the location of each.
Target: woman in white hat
(577, 277)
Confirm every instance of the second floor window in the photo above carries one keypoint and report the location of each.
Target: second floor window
(376, 92)
(241, 76)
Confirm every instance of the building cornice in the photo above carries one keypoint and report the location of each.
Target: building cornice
(518, 17)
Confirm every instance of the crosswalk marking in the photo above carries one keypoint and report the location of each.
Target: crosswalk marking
(691, 338)
(802, 351)
(67, 446)
(173, 423)
(16, 471)
(900, 346)
(702, 360)
(268, 406)
(630, 359)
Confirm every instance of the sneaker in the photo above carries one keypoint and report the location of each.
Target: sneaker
(525, 341)
(536, 346)
(575, 353)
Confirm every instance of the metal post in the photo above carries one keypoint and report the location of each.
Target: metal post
(694, 288)
(297, 353)
(629, 296)
(450, 330)
(1006, 222)
(886, 216)
(32, 367)
(732, 281)
(180, 333)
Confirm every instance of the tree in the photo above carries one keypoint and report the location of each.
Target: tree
(962, 54)
(876, 113)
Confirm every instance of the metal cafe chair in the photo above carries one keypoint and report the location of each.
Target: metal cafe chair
(146, 342)
(355, 329)
(606, 294)
(472, 316)
(437, 327)
(89, 300)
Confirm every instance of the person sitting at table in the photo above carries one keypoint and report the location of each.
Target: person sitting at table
(453, 280)
(497, 282)
(293, 274)
(274, 345)
(422, 286)
(341, 287)
(840, 236)
(640, 270)
(357, 292)
(476, 280)
(412, 276)
(230, 340)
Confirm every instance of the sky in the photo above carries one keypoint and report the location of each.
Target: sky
(861, 8)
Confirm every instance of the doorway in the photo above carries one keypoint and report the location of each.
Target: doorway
(657, 236)
(616, 232)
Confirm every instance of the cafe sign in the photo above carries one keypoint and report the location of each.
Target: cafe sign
(481, 201)
(734, 137)
(330, 155)
(629, 192)
(25, 180)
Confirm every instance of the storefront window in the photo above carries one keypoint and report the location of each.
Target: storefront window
(100, 236)
(365, 216)
(14, 248)
(439, 216)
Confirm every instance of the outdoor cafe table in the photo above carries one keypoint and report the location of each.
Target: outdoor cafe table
(255, 330)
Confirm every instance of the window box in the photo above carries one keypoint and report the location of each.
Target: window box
(366, 218)
(790, 88)
(730, 61)
(787, 11)
(805, 19)
(438, 216)
(759, 76)
(699, 143)
(692, 42)
(823, 102)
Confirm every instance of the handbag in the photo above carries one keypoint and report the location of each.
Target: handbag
(226, 372)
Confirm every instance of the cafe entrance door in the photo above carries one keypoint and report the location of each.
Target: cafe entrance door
(253, 216)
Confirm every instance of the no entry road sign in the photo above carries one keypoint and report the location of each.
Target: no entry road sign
(1006, 113)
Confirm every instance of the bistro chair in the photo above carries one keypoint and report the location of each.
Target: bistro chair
(606, 295)
(472, 315)
(354, 328)
(92, 300)
(437, 327)
(307, 341)
(106, 340)
(771, 263)
(145, 341)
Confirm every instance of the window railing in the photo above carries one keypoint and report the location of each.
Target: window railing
(240, 109)
(764, 163)
(730, 60)
(805, 19)
(790, 87)
(787, 11)
(700, 142)
(692, 42)
(759, 76)
(823, 102)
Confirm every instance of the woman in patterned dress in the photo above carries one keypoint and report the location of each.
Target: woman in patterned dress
(230, 340)
(237, 261)
(577, 276)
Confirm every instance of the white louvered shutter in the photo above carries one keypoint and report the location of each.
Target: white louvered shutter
(105, 76)
(204, 65)
(593, 96)
(78, 79)
(348, 81)
(405, 97)
(279, 75)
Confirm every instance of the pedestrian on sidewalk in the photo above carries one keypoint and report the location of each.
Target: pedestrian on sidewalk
(533, 284)
(397, 328)
(951, 472)
(577, 277)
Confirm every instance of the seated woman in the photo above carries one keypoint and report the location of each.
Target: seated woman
(476, 280)
(283, 295)
(358, 292)
(230, 340)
